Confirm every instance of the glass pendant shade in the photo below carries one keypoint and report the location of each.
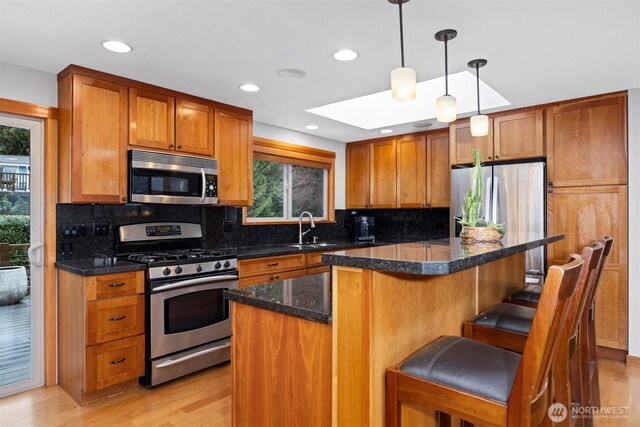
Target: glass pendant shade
(446, 107)
(403, 84)
(479, 125)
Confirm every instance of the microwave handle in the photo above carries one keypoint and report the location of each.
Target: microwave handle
(204, 185)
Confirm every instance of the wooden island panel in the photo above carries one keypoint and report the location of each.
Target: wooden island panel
(281, 370)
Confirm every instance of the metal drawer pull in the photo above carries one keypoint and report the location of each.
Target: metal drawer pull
(275, 277)
(272, 264)
(115, 362)
(115, 285)
(117, 317)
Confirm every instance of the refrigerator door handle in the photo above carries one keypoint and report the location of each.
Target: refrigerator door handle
(487, 200)
(494, 199)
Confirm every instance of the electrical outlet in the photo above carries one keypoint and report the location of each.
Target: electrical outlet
(73, 230)
(66, 249)
(100, 228)
(226, 226)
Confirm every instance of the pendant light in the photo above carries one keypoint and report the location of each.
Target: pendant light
(479, 122)
(403, 79)
(446, 105)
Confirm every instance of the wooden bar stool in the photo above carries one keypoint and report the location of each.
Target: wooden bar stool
(508, 325)
(483, 384)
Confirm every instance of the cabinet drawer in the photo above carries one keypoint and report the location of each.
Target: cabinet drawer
(261, 266)
(115, 318)
(115, 285)
(257, 280)
(314, 259)
(114, 362)
(316, 270)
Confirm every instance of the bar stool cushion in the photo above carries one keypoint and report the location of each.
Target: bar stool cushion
(466, 365)
(530, 293)
(511, 317)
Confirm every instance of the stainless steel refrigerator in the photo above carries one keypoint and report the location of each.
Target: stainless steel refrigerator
(513, 195)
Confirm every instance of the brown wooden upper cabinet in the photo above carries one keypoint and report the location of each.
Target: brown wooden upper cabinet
(357, 176)
(151, 120)
(517, 135)
(411, 171)
(587, 142)
(234, 151)
(92, 145)
(194, 128)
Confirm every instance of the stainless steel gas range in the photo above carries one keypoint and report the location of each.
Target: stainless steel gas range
(188, 321)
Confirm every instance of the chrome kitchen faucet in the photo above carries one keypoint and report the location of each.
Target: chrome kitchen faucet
(300, 233)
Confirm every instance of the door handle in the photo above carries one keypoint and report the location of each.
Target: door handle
(32, 253)
(494, 199)
(204, 184)
(487, 201)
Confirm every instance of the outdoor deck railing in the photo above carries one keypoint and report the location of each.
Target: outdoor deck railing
(10, 181)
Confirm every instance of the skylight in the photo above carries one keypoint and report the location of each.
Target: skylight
(380, 110)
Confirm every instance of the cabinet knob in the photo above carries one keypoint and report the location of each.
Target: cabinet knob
(497, 157)
(179, 147)
(171, 146)
(550, 191)
(428, 205)
(124, 199)
(489, 157)
(549, 184)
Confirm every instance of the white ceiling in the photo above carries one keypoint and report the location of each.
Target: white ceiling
(538, 51)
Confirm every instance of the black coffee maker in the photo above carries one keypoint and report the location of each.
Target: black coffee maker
(364, 229)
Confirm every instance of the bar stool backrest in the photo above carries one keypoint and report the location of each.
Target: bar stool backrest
(608, 243)
(528, 400)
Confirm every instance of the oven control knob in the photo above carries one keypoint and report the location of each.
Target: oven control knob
(227, 264)
(178, 270)
(166, 271)
(217, 266)
(199, 268)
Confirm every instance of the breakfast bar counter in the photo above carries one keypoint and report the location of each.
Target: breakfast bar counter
(385, 302)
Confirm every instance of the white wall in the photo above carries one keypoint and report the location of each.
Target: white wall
(28, 85)
(634, 227)
(285, 135)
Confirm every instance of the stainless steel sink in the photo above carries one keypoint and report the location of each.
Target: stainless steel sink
(313, 245)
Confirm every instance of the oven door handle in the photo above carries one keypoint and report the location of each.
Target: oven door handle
(204, 185)
(197, 281)
(172, 362)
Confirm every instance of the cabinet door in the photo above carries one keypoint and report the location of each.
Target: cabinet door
(99, 141)
(234, 151)
(151, 120)
(518, 136)
(438, 170)
(194, 128)
(587, 142)
(357, 176)
(461, 143)
(586, 214)
(411, 181)
(382, 178)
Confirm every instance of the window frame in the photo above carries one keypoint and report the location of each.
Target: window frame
(282, 152)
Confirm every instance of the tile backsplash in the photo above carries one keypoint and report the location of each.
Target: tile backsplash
(222, 226)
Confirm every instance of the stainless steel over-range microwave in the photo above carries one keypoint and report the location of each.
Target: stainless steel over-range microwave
(172, 179)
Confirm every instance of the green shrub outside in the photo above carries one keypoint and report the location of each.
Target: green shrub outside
(16, 229)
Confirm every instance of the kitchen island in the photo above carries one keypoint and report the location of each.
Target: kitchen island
(385, 303)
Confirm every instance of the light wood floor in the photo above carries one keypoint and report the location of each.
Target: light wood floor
(204, 399)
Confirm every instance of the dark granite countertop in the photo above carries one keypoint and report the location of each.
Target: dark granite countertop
(307, 297)
(98, 266)
(249, 252)
(433, 257)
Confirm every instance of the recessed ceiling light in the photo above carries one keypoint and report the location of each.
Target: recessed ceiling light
(311, 127)
(291, 73)
(116, 46)
(249, 87)
(386, 131)
(345, 55)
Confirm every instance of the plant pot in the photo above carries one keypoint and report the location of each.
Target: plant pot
(13, 285)
(476, 248)
(480, 234)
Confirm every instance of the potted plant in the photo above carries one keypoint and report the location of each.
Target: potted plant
(475, 228)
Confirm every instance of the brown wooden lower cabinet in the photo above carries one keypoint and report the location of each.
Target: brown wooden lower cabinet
(100, 333)
(584, 214)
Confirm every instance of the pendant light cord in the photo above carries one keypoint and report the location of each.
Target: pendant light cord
(446, 69)
(401, 35)
(478, 85)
